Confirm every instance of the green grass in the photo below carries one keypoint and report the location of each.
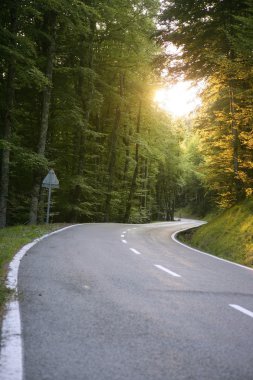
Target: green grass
(11, 240)
(228, 235)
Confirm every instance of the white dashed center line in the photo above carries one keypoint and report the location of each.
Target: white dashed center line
(122, 236)
(242, 310)
(135, 251)
(167, 271)
(124, 241)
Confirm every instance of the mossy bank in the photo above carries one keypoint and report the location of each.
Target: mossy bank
(228, 235)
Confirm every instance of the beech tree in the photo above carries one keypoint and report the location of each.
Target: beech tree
(77, 94)
(209, 35)
(85, 107)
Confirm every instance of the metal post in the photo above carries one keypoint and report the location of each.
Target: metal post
(48, 202)
(50, 182)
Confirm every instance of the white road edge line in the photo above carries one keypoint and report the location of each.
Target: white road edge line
(135, 251)
(173, 237)
(11, 351)
(124, 241)
(167, 270)
(242, 310)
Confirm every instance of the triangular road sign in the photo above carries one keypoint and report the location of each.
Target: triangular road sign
(50, 180)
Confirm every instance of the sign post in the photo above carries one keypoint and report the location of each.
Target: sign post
(50, 182)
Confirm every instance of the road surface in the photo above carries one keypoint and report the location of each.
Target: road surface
(126, 302)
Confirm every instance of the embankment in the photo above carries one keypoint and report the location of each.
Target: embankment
(228, 235)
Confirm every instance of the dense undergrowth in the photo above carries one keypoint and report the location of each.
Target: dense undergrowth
(228, 235)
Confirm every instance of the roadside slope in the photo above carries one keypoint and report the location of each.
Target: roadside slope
(229, 235)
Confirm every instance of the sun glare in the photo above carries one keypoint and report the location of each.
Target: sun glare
(179, 100)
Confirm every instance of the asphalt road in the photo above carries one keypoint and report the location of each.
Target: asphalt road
(112, 302)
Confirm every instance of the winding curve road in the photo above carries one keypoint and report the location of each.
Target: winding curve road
(126, 302)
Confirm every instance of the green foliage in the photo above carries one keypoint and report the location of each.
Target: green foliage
(117, 157)
(193, 195)
(215, 44)
(102, 54)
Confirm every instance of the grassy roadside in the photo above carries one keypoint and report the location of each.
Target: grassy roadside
(228, 235)
(11, 240)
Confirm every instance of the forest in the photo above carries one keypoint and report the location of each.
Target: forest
(77, 87)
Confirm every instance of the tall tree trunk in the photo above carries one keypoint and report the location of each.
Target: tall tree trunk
(85, 91)
(136, 169)
(50, 19)
(112, 156)
(111, 166)
(170, 209)
(144, 183)
(126, 141)
(235, 144)
(7, 128)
